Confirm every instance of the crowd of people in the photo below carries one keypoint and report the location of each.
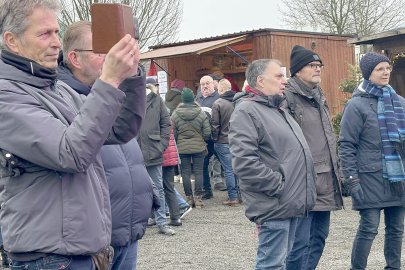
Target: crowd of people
(89, 151)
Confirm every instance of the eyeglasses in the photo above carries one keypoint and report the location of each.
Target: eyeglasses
(83, 50)
(315, 66)
(383, 69)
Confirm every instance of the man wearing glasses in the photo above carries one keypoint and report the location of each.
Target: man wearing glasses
(307, 105)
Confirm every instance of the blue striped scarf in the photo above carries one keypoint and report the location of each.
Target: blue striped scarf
(391, 121)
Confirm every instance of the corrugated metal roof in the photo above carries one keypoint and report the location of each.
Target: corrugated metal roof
(195, 48)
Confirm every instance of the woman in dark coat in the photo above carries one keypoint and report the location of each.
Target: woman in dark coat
(371, 150)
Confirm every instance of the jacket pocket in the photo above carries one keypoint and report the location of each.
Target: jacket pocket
(369, 161)
(371, 167)
(154, 137)
(322, 166)
(155, 147)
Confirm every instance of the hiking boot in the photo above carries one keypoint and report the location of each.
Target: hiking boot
(220, 186)
(151, 222)
(229, 202)
(207, 195)
(166, 230)
(198, 202)
(190, 201)
(184, 211)
(175, 222)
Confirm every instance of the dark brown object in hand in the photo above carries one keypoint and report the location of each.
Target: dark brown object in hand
(109, 24)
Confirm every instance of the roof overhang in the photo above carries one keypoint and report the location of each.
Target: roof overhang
(370, 39)
(190, 49)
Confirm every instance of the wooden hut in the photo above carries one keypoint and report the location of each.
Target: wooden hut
(392, 44)
(230, 54)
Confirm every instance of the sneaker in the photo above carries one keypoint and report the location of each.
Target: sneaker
(207, 195)
(184, 211)
(166, 230)
(177, 179)
(175, 222)
(230, 202)
(151, 222)
(220, 186)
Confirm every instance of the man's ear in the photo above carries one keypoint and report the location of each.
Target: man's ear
(259, 81)
(73, 59)
(12, 42)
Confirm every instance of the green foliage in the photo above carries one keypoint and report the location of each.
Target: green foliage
(350, 84)
(336, 123)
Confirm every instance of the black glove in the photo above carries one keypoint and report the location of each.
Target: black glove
(355, 190)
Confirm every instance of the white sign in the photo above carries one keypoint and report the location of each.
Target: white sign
(162, 81)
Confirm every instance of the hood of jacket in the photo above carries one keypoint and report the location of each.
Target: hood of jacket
(66, 76)
(359, 92)
(172, 94)
(228, 95)
(188, 112)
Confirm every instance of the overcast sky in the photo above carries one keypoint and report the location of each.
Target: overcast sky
(208, 18)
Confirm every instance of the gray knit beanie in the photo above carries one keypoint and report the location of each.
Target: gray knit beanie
(369, 61)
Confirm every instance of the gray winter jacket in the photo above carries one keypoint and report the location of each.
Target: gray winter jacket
(60, 203)
(129, 184)
(312, 114)
(155, 131)
(271, 159)
(360, 152)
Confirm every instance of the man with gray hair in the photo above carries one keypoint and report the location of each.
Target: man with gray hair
(272, 161)
(130, 187)
(55, 202)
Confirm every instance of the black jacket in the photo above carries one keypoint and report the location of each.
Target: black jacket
(155, 132)
(222, 110)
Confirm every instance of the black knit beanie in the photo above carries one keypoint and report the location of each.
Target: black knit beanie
(301, 57)
(187, 96)
(369, 61)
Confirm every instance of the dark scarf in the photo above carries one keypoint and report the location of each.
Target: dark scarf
(391, 121)
(28, 65)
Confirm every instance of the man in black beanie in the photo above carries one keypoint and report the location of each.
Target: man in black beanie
(307, 105)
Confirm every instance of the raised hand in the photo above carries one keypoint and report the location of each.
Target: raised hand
(121, 61)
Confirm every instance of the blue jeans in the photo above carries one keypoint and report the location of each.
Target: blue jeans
(180, 200)
(155, 172)
(368, 229)
(56, 262)
(275, 241)
(125, 257)
(206, 171)
(225, 158)
(309, 241)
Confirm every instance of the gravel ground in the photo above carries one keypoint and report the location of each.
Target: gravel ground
(219, 237)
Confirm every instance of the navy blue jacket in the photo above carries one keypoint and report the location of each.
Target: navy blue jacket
(360, 152)
(130, 187)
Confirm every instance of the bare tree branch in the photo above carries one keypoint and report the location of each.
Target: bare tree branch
(158, 21)
(344, 16)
